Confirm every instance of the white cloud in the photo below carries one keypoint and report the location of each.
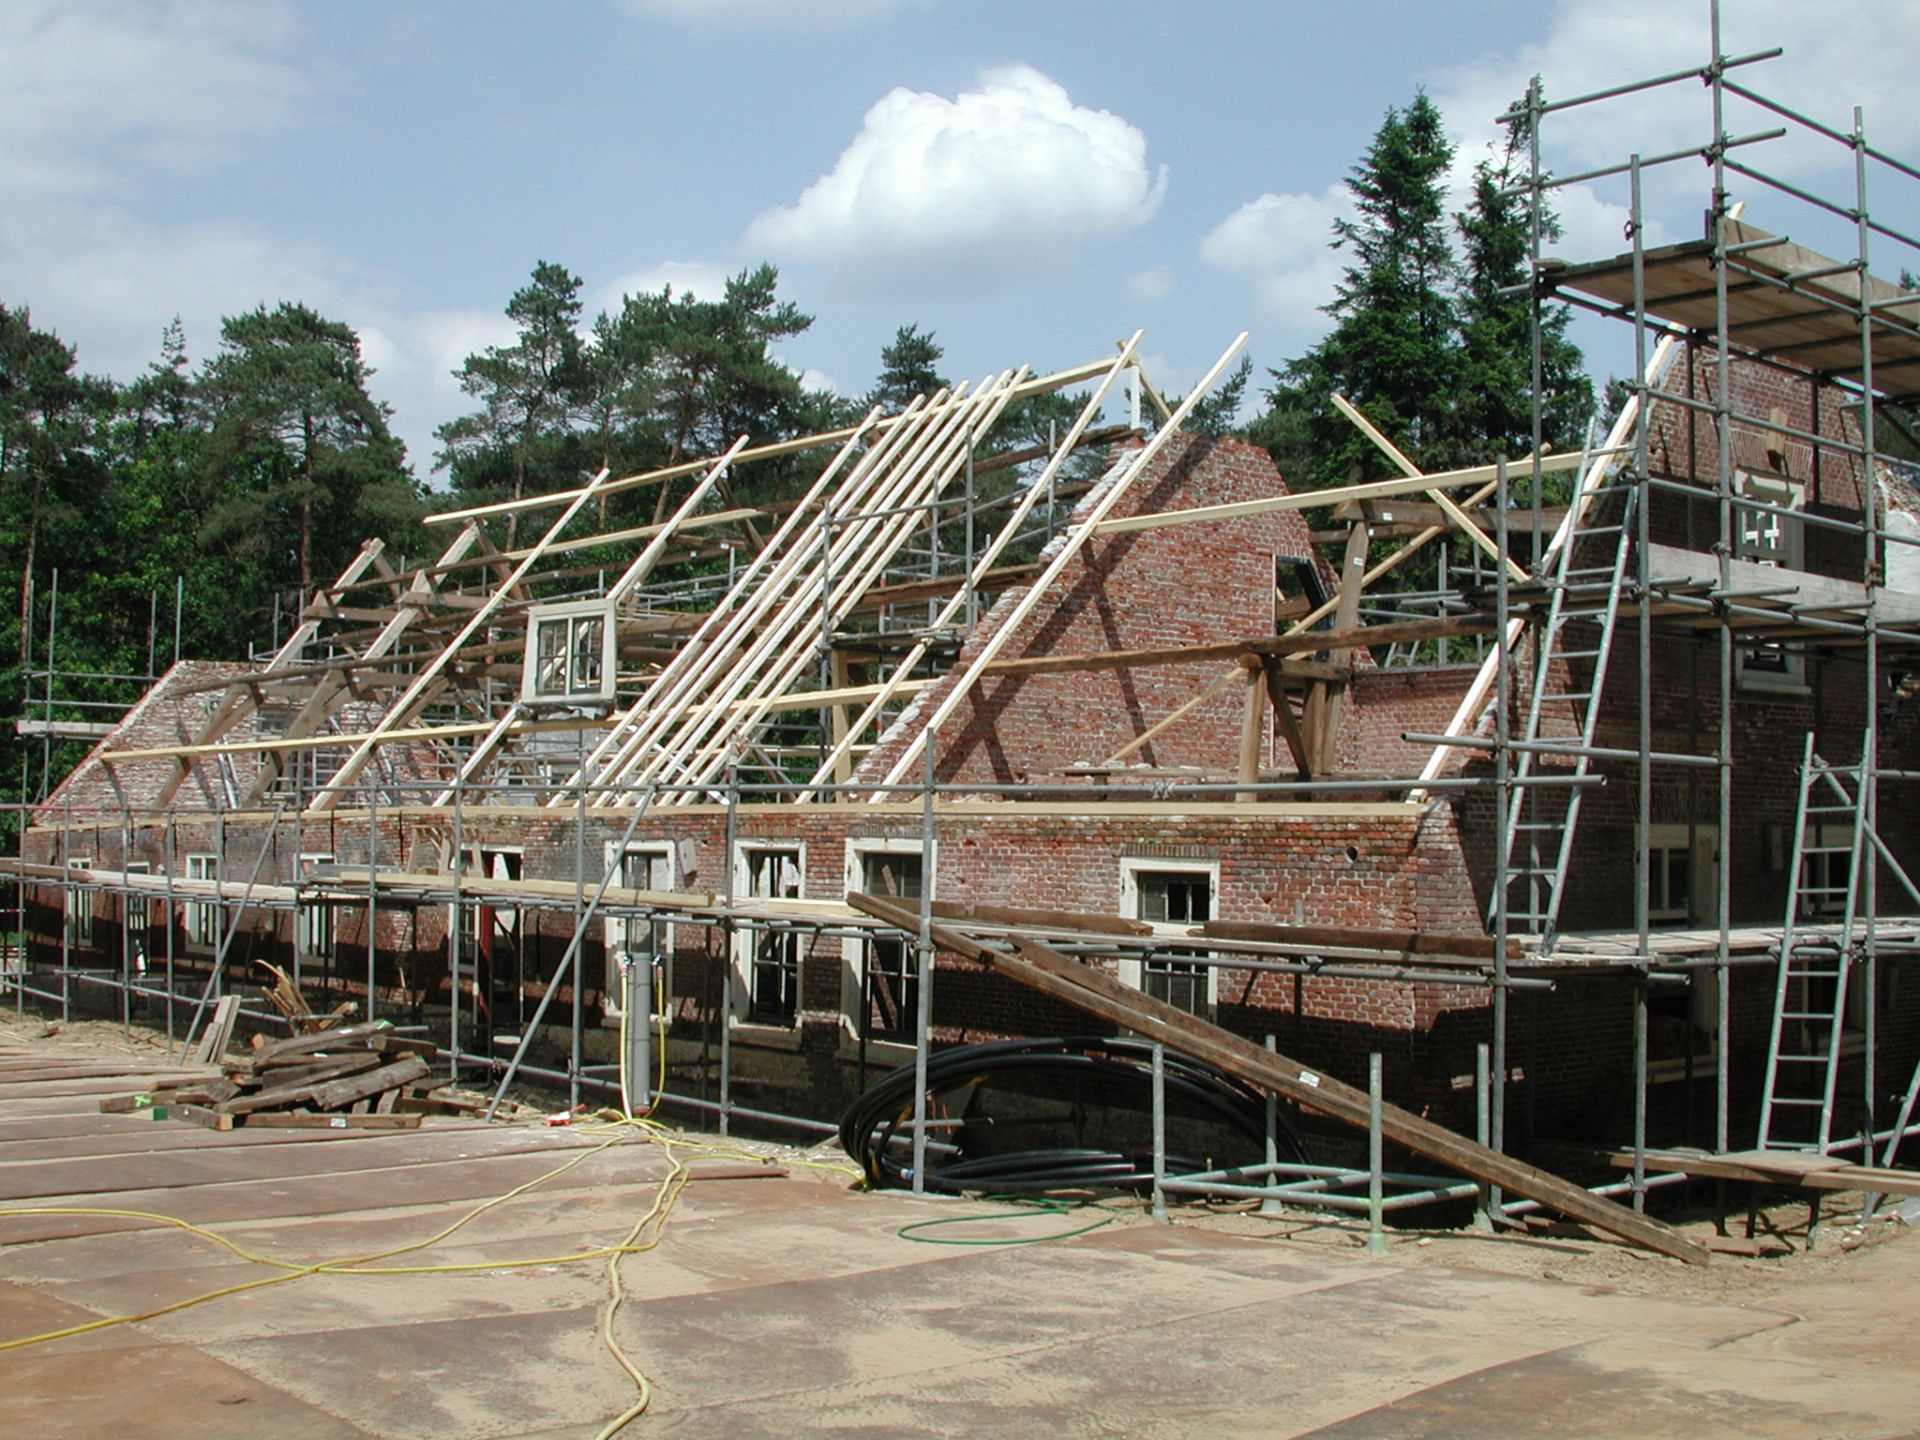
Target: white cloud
(1837, 54)
(1152, 285)
(1283, 244)
(1007, 178)
(785, 14)
(819, 382)
(698, 278)
(92, 94)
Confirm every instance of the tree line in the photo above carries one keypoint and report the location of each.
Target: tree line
(254, 474)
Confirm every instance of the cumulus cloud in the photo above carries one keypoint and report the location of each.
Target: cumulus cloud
(1009, 176)
(1282, 244)
(786, 14)
(698, 278)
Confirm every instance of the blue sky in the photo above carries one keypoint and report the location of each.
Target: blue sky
(1032, 182)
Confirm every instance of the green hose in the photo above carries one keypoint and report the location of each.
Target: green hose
(1021, 1207)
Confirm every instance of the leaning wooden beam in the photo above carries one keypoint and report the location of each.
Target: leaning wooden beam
(1326, 699)
(1313, 499)
(1059, 380)
(1094, 991)
(414, 695)
(1396, 632)
(1130, 469)
(1174, 716)
(984, 566)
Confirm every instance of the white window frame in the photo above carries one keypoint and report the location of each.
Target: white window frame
(79, 907)
(313, 930)
(1704, 874)
(1764, 538)
(137, 907)
(536, 679)
(747, 939)
(1134, 971)
(856, 953)
(637, 934)
(202, 918)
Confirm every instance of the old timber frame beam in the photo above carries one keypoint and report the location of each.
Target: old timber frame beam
(1094, 991)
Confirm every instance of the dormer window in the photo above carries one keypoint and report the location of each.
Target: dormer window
(570, 655)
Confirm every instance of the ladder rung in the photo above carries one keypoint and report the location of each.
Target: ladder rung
(1795, 1100)
(1803, 1059)
(1567, 695)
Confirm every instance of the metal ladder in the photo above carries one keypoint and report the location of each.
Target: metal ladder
(1810, 995)
(1539, 838)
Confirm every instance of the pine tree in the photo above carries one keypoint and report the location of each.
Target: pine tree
(1494, 410)
(909, 366)
(530, 393)
(1391, 350)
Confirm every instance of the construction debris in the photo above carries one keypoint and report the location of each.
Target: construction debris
(356, 1077)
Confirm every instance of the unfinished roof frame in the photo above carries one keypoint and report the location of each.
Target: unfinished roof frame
(698, 737)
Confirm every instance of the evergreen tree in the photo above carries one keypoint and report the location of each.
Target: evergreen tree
(909, 366)
(1493, 414)
(299, 443)
(1391, 350)
(529, 392)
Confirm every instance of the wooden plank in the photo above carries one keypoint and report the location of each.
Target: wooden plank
(336, 1093)
(1101, 995)
(1411, 942)
(1173, 717)
(1039, 919)
(302, 1088)
(1393, 633)
(201, 1115)
(1308, 499)
(299, 1120)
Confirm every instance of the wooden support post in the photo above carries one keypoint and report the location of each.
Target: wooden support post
(1253, 726)
(1283, 717)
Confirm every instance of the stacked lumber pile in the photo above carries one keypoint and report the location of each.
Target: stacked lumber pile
(352, 1077)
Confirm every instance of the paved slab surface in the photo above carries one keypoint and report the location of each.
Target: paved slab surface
(795, 1306)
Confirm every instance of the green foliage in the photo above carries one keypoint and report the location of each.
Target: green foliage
(909, 366)
(299, 452)
(1435, 349)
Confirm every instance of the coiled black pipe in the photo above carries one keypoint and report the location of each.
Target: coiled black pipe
(871, 1130)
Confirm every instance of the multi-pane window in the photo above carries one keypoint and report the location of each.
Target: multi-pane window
(79, 905)
(1769, 537)
(890, 978)
(639, 939)
(1175, 899)
(203, 916)
(569, 655)
(313, 921)
(769, 956)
